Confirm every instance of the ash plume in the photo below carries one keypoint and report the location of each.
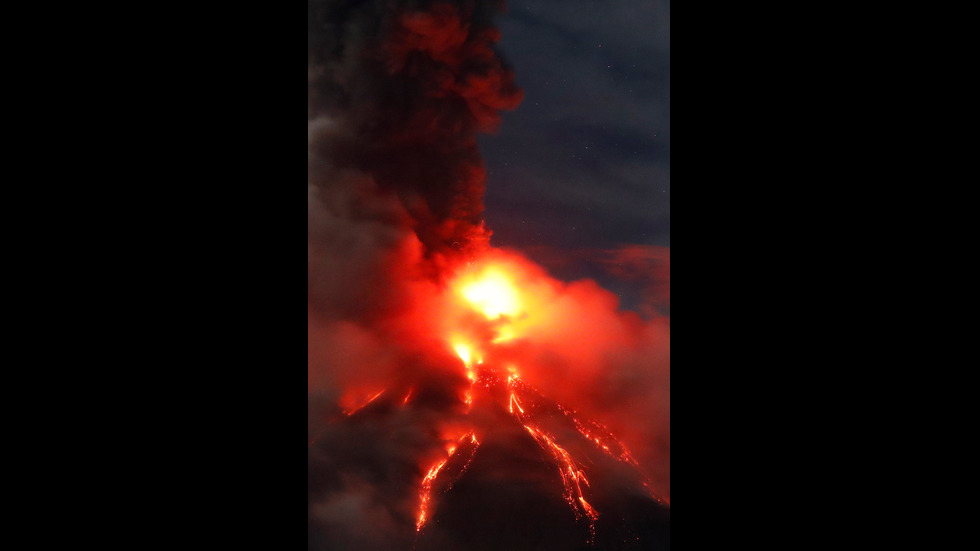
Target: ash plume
(397, 91)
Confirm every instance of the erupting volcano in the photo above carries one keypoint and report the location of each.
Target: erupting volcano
(459, 396)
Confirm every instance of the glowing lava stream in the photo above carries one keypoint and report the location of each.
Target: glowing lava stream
(362, 406)
(425, 493)
(572, 476)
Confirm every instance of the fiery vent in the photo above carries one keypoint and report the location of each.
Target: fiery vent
(492, 292)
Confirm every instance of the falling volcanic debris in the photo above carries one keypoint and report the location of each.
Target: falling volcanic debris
(459, 397)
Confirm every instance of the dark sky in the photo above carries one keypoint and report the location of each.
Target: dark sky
(584, 162)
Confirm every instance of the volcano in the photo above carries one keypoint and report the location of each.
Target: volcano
(459, 397)
(530, 475)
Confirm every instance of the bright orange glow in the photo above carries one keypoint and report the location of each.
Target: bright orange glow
(464, 352)
(493, 293)
(504, 334)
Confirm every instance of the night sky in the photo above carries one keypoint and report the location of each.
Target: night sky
(584, 162)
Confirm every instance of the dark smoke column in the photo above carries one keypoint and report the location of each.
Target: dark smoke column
(397, 91)
(401, 88)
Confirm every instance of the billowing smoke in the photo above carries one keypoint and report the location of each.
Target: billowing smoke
(398, 90)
